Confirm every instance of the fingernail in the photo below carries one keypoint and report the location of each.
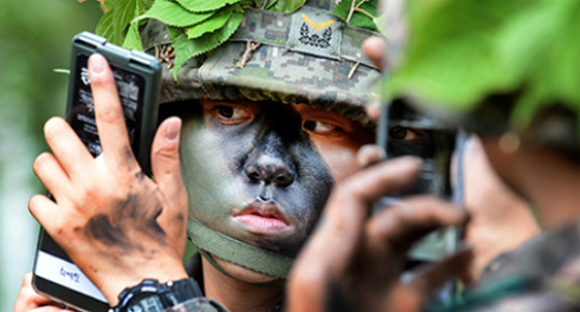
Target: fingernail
(173, 130)
(96, 63)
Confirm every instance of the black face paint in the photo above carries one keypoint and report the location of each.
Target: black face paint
(265, 167)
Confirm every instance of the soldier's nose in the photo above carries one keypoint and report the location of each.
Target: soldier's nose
(269, 170)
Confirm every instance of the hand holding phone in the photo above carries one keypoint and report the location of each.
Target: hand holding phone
(114, 222)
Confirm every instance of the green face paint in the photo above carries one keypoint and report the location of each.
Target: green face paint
(258, 180)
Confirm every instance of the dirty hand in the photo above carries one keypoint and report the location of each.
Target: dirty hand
(117, 225)
(353, 260)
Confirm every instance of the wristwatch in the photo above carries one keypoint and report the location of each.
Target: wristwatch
(151, 296)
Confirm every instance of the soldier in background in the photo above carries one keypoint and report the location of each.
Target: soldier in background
(527, 117)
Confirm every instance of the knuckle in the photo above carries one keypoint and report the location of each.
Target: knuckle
(350, 188)
(112, 116)
(167, 152)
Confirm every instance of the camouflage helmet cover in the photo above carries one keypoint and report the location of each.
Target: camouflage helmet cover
(310, 56)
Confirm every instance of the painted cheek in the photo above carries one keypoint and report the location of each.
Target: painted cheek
(340, 159)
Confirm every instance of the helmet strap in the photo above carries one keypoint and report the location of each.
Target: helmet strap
(212, 243)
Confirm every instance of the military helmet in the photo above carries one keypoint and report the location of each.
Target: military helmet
(495, 67)
(309, 55)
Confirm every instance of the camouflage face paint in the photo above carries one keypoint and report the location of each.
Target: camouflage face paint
(260, 181)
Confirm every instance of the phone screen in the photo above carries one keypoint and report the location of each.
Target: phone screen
(404, 131)
(52, 265)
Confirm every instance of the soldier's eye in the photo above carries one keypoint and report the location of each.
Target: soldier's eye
(230, 114)
(226, 111)
(405, 134)
(319, 127)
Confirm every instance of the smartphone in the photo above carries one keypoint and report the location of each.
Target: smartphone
(404, 131)
(138, 79)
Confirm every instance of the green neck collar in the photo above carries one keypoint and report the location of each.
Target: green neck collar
(211, 242)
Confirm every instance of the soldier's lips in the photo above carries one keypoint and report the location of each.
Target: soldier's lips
(263, 218)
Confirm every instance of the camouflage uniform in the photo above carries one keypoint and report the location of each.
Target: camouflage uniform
(541, 275)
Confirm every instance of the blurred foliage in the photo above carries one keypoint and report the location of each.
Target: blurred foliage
(460, 52)
(35, 37)
(359, 13)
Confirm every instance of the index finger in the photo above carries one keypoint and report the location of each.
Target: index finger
(340, 230)
(108, 109)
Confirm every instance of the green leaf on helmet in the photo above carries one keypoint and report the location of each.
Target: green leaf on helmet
(205, 5)
(105, 27)
(123, 14)
(365, 13)
(186, 48)
(133, 39)
(148, 3)
(173, 14)
(217, 21)
(260, 3)
(286, 6)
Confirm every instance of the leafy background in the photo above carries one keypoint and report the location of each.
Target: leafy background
(35, 39)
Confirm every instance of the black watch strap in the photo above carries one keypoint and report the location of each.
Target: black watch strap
(151, 296)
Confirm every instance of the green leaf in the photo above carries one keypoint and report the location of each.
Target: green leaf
(205, 5)
(461, 52)
(260, 3)
(365, 13)
(173, 14)
(186, 49)
(105, 27)
(217, 21)
(342, 9)
(133, 38)
(271, 4)
(287, 6)
(123, 14)
(148, 3)
(451, 57)
(141, 7)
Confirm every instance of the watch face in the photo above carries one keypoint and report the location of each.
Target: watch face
(152, 296)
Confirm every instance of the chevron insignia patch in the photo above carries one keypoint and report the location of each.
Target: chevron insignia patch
(315, 32)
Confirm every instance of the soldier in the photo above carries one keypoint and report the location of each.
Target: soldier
(272, 119)
(527, 116)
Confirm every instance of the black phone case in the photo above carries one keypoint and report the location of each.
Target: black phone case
(138, 78)
(434, 179)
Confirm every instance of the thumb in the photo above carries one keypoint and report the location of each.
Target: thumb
(165, 159)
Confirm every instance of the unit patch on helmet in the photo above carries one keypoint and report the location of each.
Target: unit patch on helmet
(315, 32)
